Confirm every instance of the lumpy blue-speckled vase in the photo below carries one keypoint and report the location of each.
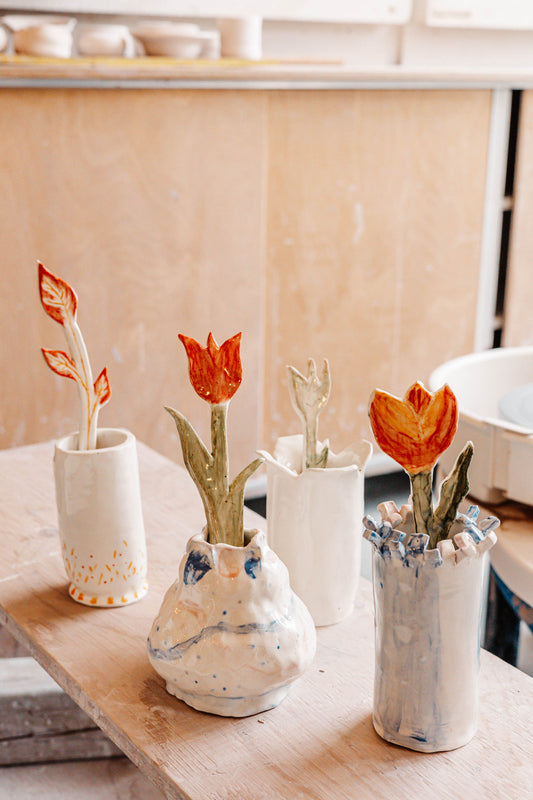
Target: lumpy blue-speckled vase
(231, 635)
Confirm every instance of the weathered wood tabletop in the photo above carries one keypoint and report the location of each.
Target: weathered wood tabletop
(319, 744)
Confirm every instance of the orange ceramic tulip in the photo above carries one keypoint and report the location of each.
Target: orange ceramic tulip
(215, 372)
(416, 430)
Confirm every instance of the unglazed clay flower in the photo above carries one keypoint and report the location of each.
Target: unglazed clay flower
(215, 372)
(414, 431)
(308, 396)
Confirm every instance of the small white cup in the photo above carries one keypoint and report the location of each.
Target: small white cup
(241, 37)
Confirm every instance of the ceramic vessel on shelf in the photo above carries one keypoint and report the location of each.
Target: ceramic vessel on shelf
(241, 37)
(41, 35)
(101, 527)
(105, 40)
(171, 39)
(427, 571)
(230, 636)
(4, 39)
(315, 504)
(210, 44)
(100, 519)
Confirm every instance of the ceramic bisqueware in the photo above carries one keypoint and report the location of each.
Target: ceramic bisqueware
(241, 37)
(105, 40)
(314, 524)
(427, 630)
(231, 636)
(46, 36)
(171, 39)
(101, 526)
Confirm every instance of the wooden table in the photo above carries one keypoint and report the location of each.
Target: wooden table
(319, 744)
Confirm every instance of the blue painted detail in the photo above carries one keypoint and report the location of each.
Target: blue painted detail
(224, 613)
(196, 567)
(252, 565)
(177, 651)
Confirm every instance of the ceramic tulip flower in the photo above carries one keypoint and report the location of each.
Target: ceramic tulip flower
(60, 302)
(215, 373)
(414, 432)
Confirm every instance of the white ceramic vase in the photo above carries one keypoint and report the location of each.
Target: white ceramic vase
(100, 519)
(231, 636)
(427, 630)
(314, 524)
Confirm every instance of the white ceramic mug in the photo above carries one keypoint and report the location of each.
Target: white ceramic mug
(100, 519)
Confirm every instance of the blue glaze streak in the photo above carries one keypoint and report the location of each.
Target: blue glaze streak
(178, 650)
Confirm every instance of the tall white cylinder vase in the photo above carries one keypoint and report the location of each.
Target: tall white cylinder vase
(427, 630)
(100, 519)
(314, 524)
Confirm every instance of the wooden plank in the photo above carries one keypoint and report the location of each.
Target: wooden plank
(518, 321)
(9, 647)
(319, 743)
(373, 241)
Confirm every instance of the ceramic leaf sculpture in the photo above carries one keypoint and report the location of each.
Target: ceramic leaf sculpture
(414, 432)
(60, 302)
(309, 395)
(216, 374)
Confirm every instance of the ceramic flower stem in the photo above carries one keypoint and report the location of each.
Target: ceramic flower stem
(453, 490)
(215, 374)
(421, 490)
(414, 432)
(309, 395)
(60, 302)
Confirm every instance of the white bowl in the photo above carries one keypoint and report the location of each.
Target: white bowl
(502, 467)
(171, 39)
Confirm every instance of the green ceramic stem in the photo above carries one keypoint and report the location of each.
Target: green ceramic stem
(452, 492)
(421, 486)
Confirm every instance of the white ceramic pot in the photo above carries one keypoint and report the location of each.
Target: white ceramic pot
(51, 37)
(171, 39)
(100, 519)
(241, 37)
(231, 636)
(4, 39)
(314, 524)
(105, 40)
(427, 629)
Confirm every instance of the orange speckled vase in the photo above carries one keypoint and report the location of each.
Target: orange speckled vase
(100, 519)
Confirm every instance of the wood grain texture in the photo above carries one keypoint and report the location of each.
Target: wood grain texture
(149, 204)
(374, 226)
(318, 744)
(518, 319)
(344, 224)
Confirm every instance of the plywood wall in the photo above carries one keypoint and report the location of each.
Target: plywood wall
(341, 224)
